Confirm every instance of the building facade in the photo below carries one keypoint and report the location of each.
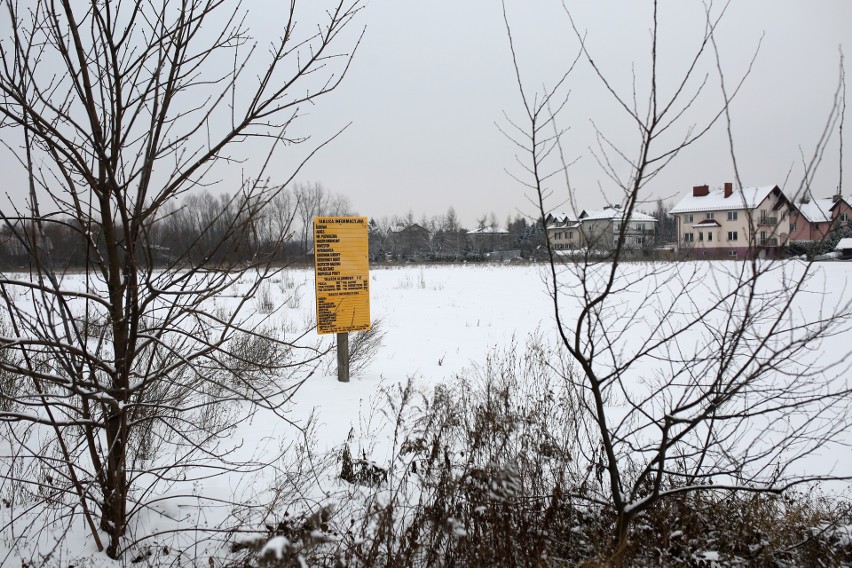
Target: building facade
(563, 231)
(813, 219)
(728, 222)
(599, 230)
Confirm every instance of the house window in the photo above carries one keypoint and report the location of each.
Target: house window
(732, 235)
(708, 215)
(732, 253)
(709, 236)
(688, 237)
(732, 215)
(688, 218)
(844, 217)
(700, 236)
(570, 235)
(763, 237)
(792, 227)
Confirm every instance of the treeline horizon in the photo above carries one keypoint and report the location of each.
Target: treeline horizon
(228, 228)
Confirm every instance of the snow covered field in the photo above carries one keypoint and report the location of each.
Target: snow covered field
(439, 322)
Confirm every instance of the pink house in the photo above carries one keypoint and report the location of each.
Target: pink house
(813, 219)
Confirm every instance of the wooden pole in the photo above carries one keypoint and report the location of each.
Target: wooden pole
(343, 357)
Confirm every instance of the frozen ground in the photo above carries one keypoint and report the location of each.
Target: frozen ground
(438, 322)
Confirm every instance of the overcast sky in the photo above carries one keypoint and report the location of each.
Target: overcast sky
(432, 79)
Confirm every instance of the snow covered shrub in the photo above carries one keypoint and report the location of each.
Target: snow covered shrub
(360, 471)
(289, 542)
(484, 472)
(742, 529)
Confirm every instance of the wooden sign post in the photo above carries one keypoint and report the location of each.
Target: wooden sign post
(342, 275)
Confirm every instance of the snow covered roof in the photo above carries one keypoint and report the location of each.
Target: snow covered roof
(561, 218)
(707, 223)
(844, 244)
(715, 200)
(816, 210)
(567, 225)
(402, 228)
(837, 200)
(488, 231)
(614, 214)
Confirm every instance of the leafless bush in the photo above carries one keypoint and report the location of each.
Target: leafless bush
(364, 346)
(473, 470)
(265, 301)
(409, 282)
(746, 529)
(9, 381)
(486, 470)
(130, 111)
(690, 376)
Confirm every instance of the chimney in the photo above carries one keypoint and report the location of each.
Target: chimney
(700, 190)
(729, 189)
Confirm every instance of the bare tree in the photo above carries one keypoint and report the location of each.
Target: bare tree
(118, 110)
(314, 200)
(691, 377)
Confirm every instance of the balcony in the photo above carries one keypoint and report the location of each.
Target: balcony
(768, 221)
(769, 242)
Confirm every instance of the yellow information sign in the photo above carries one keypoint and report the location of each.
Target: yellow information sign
(342, 270)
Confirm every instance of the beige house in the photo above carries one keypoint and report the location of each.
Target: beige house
(563, 231)
(733, 222)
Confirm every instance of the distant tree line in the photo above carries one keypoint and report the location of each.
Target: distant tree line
(225, 228)
(444, 238)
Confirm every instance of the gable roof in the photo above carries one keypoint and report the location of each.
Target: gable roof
(844, 244)
(614, 214)
(742, 198)
(816, 210)
(561, 218)
(837, 200)
(414, 227)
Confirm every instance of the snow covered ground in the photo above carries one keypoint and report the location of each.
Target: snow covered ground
(439, 321)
